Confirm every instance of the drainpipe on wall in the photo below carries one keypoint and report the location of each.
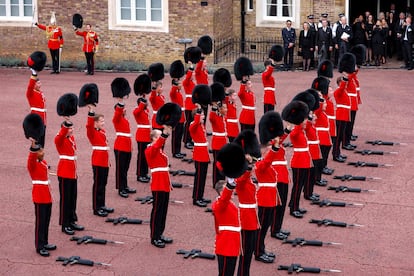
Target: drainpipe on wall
(242, 27)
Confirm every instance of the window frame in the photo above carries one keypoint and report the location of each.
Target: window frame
(21, 20)
(263, 20)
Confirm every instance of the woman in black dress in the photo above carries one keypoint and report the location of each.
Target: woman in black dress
(378, 41)
(391, 35)
(306, 45)
(369, 25)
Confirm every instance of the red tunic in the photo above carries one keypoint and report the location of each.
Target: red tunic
(66, 148)
(36, 99)
(232, 123)
(227, 225)
(90, 41)
(198, 134)
(267, 195)
(301, 157)
(352, 91)
(39, 174)
(246, 192)
(201, 75)
(343, 103)
(123, 131)
(330, 114)
(269, 86)
(219, 138)
(279, 163)
(177, 97)
(156, 100)
(54, 34)
(97, 138)
(188, 85)
(313, 141)
(158, 164)
(322, 127)
(358, 88)
(248, 101)
(141, 115)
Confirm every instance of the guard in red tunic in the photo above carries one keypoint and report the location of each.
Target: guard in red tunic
(188, 85)
(232, 123)
(248, 101)
(37, 101)
(201, 72)
(177, 133)
(157, 100)
(90, 46)
(269, 98)
(343, 110)
(55, 42)
(353, 85)
(160, 185)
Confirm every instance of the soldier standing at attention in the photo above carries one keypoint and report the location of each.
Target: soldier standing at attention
(90, 46)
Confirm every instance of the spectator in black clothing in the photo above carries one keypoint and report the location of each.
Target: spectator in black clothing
(385, 29)
(391, 35)
(358, 28)
(306, 45)
(369, 25)
(323, 41)
(407, 43)
(398, 30)
(378, 41)
(343, 37)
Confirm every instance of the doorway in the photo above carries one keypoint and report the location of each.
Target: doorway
(357, 7)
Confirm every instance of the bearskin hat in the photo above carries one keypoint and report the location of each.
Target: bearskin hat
(142, 85)
(359, 51)
(177, 69)
(89, 94)
(295, 112)
(347, 63)
(206, 44)
(37, 61)
(307, 98)
(270, 126)
(231, 160)
(67, 105)
(243, 67)
(156, 71)
(247, 139)
(321, 84)
(33, 126)
(169, 114)
(276, 53)
(315, 95)
(120, 87)
(222, 75)
(77, 20)
(325, 69)
(217, 92)
(201, 94)
(192, 54)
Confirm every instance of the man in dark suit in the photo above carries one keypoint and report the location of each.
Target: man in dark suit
(407, 43)
(343, 37)
(289, 37)
(313, 28)
(399, 31)
(324, 42)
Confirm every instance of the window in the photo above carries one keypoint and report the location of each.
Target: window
(274, 13)
(249, 5)
(280, 8)
(139, 15)
(16, 10)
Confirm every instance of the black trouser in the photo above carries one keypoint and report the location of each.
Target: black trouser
(282, 189)
(268, 107)
(310, 183)
(142, 165)
(41, 140)
(325, 153)
(340, 138)
(226, 265)
(100, 178)
(318, 165)
(248, 239)
(407, 49)
(188, 119)
(68, 190)
(205, 111)
(300, 176)
(231, 139)
(90, 61)
(43, 211)
(343, 48)
(122, 162)
(288, 52)
(245, 126)
(159, 213)
(399, 49)
(265, 215)
(55, 59)
(199, 179)
(217, 175)
(350, 127)
(177, 135)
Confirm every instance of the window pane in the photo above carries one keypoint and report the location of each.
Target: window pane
(28, 10)
(27, 2)
(14, 10)
(156, 15)
(271, 7)
(141, 4)
(2, 2)
(125, 14)
(2, 10)
(155, 4)
(14, 2)
(287, 8)
(141, 14)
(125, 3)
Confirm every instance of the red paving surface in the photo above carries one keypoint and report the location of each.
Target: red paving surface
(383, 246)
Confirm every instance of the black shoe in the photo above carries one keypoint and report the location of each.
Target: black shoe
(50, 247)
(100, 213)
(327, 171)
(206, 200)
(178, 155)
(271, 255)
(91, 73)
(343, 156)
(348, 147)
(123, 194)
(158, 243)
(130, 190)
(143, 179)
(279, 236)
(189, 146)
(339, 159)
(312, 198)
(166, 239)
(77, 227)
(354, 137)
(68, 230)
(285, 232)
(57, 72)
(43, 252)
(53, 72)
(321, 182)
(209, 133)
(107, 209)
(87, 73)
(199, 203)
(296, 214)
(264, 259)
(302, 211)
(410, 68)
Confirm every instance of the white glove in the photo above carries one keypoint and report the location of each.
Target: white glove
(34, 73)
(230, 180)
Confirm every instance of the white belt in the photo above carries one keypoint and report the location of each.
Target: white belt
(230, 228)
(316, 142)
(123, 134)
(143, 126)
(188, 96)
(232, 121)
(322, 128)
(271, 185)
(247, 206)
(352, 94)
(331, 117)
(154, 111)
(219, 134)
(358, 89)
(248, 107)
(100, 148)
(344, 106)
(274, 163)
(201, 144)
(300, 149)
(38, 109)
(67, 157)
(41, 182)
(270, 88)
(163, 169)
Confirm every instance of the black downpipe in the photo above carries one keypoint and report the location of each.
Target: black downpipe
(243, 27)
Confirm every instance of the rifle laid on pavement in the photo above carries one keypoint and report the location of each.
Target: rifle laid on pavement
(327, 202)
(349, 177)
(182, 172)
(149, 199)
(348, 189)
(78, 260)
(384, 143)
(367, 164)
(180, 185)
(195, 253)
(329, 222)
(125, 220)
(374, 152)
(298, 268)
(303, 242)
(90, 239)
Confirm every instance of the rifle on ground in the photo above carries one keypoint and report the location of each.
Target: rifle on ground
(366, 164)
(384, 143)
(125, 220)
(188, 160)
(208, 210)
(374, 152)
(180, 185)
(195, 253)
(348, 189)
(303, 242)
(182, 172)
(327, 202)
(349, 177)
(90, 239)
(78, 260)
(298, 268)
(149, 199)
(329, 222)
